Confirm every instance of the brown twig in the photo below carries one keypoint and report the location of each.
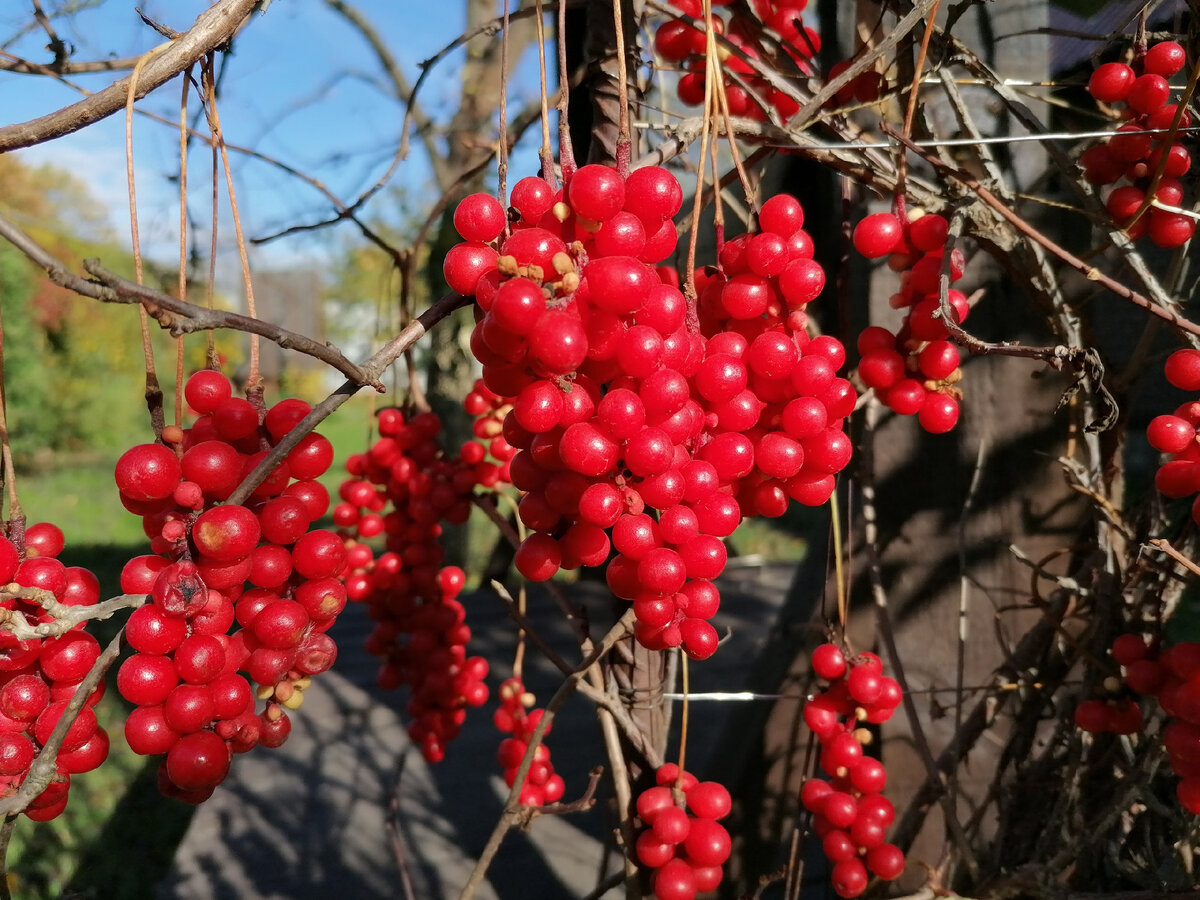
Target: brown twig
(175, 315)
(371, 369)
(1089, 271)
(44, 767)
(212, 29)
(12, 63)
(513, 810)
(400, 85)
(1165, 546)
(65, 617)
(887, 635)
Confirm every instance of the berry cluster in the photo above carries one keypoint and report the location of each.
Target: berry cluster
(678, 42)
(916, 370)
(1132, 156)
(1175, 433)
(1170, 676)
(626, 400)
(683, 844)
(257, 565)
(38, 677)
(542, 785)
(402, 488)
(850, 813)
(488, 410)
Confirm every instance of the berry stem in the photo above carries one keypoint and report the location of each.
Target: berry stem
(208, 83)
(624, 144)
(15, 518)
(502, 146)
(710, 50)
(913, 92)
(153, 391)
(254, 385)
(183, 148)
(546, 152)
(835, 524)
(683, 722)
(566, 150)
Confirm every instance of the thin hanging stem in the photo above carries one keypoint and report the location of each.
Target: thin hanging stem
(153, 391)
(710, 50)
(566, 152)
(209, 88)
(546, 152)
(254, 387)
(723, 105)
(519, 657)
(502, 149)
(718, 204)
(911, 112)
(16, 517)
(835, 522)
(683, 720)
(183, 155)
(624, 144)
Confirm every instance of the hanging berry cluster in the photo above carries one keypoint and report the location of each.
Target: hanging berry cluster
(403, 488)
(625, 401)
(1175, 433)
(850, 813)
(1132, 156)
(1170, 677)
(39, 676)
(683, 845)
(678, 42)
(216, 564)
(914, 371)
(542, 784)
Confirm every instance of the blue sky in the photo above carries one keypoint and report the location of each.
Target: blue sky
(303, 86)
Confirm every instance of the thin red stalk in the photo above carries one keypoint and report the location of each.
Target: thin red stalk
(624, 144)
(502, 149)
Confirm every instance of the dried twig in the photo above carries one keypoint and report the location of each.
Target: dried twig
(513, 810)
(212, 29)
(65, 617)
(175, 315)
(372, 368)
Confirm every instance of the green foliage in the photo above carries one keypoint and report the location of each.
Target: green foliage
(27, 390)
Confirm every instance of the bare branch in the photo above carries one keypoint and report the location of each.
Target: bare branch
(65, 617)
(11, 63)
(513, 810)
(212, 28)
(175, 315)
(371, 369)
(400, 86)
(44, 767)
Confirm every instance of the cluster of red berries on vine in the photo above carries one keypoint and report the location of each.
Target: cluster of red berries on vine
(39, 676)
(629, 400)
(850, 814)
(542, 784)
(401, 490)
(677, 41)
(1172, 677)
(914, 370)
(683, 845)
(258, 565)
(1131, 158)
(1174, 434)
